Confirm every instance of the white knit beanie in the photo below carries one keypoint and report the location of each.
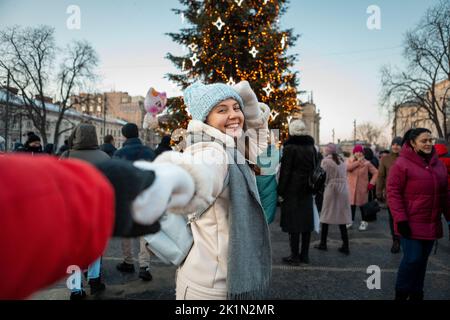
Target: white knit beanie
(296, 127)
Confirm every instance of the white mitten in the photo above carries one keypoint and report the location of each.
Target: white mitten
(251, 106)
(173, 187)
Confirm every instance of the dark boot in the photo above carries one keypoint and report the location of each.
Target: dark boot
(96, 285)
(395, 246)
(344, 249)
(125, 267)
(144, 274)
(294, 258)
(401, 295)
(344, 235)
(323, 238)
(78, 295)
(416, 296)
(304, 254)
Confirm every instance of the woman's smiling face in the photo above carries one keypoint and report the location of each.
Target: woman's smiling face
(227, 117)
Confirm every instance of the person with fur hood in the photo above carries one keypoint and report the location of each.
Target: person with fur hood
(297, 216)
(231, 254)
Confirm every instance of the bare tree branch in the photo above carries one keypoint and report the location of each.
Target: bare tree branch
(28, 54)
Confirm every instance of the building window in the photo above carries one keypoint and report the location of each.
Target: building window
(99, 108)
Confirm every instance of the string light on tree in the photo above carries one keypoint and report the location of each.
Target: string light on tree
(194, 59)
(268, 89)
(231, 82)
(253, 52)
(283, 41)
(219, 24)
(193, 47)
(273, 115)
(231, 54)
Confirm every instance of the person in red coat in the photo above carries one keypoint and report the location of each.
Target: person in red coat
(58, 213)
(444, 156)
(417, 196)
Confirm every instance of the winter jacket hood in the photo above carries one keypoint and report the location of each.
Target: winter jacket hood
(83, 137)
(205, 268)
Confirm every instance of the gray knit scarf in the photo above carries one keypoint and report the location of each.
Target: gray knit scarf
(249, 251)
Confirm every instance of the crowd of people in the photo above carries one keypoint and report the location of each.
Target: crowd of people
(232, 171)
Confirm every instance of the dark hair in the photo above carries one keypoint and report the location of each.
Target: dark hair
(130, 130)
(368, 153)
(108, 138)
(336, 158)
(384, 151)
(165, 140)
(412, 134)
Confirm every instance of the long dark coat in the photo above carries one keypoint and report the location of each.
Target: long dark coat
(297, 163)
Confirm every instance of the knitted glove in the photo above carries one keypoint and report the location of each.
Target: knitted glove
(128, 182)
(370, 187)
(251, 107)
(404, 229)
(173, 187)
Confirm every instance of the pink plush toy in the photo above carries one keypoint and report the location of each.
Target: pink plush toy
(154, 103)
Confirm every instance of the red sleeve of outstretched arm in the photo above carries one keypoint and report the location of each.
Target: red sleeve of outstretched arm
(53, 214)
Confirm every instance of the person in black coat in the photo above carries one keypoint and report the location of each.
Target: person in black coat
(134, 150)
(369, 156)
(108, 145)
(63, 148)
(297, 216)
(33, 144)
(163, 146)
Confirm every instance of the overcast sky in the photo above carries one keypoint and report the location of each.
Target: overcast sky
(339, 57)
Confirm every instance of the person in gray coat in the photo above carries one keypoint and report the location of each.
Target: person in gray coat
(83, 145)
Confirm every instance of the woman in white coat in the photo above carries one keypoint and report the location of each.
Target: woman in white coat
(336, 204)
(231, 255)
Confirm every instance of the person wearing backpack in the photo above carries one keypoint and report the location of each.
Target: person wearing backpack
(296, 196)
(231, 254)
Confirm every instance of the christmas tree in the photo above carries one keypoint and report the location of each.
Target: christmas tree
(233, 40)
